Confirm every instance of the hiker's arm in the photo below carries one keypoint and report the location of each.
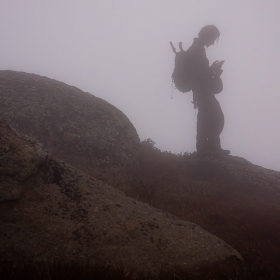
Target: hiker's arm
(201, 70)
(205, 78)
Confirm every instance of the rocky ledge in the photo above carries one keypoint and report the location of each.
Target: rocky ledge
(51, 211)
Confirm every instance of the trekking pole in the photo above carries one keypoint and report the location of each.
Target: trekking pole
(173, 48)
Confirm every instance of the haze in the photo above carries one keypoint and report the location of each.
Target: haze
(119, 51)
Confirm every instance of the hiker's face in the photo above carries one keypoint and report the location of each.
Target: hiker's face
(210, 41)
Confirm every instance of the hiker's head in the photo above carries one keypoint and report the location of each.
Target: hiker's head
(209, 34)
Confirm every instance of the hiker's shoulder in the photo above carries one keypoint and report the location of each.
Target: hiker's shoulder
(196, 52)
(197, 44)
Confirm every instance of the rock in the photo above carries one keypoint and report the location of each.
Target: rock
(233, 168)
(79, 128)
(18, 161)
(60, 213)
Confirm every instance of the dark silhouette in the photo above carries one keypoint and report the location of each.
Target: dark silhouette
(206, 82)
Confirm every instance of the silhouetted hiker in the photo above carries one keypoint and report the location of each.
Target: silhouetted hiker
(206, 82)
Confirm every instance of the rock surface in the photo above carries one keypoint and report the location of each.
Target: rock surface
(237, 169)
(52, 211)
(79, 128)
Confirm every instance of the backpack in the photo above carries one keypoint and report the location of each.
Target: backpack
(181, 75)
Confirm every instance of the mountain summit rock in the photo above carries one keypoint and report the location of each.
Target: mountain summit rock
(50, 211)
(79, 128)
(63, 155)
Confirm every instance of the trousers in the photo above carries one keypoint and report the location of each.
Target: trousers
(210, 124)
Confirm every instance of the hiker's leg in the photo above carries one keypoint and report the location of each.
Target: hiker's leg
(216, 125)
(201, 133)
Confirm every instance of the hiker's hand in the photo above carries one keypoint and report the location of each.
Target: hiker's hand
(218, 72)
(217, 64)
(216, 67)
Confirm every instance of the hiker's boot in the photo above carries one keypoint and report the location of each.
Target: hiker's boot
(212, 153)
(220, 152)
(224, 152)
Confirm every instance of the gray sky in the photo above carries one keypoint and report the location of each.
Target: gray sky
(119, 50)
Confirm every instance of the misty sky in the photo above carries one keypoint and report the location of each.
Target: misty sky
(119, 51)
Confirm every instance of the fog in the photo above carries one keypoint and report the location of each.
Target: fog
(119, 51)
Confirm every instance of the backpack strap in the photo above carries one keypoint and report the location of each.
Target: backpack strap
(194, 102)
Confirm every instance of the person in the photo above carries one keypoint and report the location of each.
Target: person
(206, 83)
